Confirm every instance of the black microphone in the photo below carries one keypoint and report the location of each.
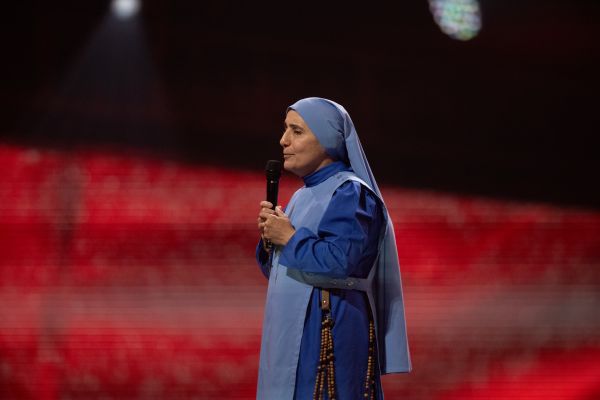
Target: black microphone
(272, 172)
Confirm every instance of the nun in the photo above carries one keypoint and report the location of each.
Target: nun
(334, 315)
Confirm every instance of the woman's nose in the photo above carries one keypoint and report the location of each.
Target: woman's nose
(284, 141)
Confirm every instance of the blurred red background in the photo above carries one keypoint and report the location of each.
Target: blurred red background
(131, 277)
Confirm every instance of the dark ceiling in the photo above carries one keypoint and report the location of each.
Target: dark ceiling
(510, 114)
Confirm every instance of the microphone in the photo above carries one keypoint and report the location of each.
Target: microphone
(272, 172)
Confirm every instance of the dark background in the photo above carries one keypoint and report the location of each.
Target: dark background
(509, 114)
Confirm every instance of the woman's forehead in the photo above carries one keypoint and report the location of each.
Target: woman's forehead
(292, 117)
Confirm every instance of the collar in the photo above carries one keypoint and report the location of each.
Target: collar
(324, 173)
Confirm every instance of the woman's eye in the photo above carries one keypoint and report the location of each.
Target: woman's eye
(297, 132)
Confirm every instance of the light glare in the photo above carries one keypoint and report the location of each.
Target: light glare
(459, 19)
(125, 8)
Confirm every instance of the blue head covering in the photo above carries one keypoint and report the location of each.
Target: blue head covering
(335, 131)
(331, 124)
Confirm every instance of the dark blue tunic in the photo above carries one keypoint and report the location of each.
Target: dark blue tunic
(344, 246)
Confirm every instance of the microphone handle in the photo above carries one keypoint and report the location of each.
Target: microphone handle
(272, 193)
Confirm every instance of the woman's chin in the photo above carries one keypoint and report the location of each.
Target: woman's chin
(289, 166)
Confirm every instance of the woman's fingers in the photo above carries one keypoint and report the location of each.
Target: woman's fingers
(266, 204)
(274, 224)
(277, 228)
(265, 209)
(265, 213)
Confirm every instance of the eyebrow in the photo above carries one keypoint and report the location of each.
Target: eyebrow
(293, 126)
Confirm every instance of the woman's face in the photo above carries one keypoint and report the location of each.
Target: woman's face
(302, 152)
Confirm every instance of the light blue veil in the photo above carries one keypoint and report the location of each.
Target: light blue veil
(331, 124)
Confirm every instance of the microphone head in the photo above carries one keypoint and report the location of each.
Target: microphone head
(273, 169)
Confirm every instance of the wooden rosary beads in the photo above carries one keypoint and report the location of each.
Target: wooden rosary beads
(325, 369)
(370, 379)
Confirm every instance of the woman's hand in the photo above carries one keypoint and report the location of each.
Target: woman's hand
(265, 210)
(274, 225)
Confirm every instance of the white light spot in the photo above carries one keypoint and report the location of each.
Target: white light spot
(125, 8)
(459, 19)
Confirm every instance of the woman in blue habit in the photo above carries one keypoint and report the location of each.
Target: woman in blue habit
(334, 317)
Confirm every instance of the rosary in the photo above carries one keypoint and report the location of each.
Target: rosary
(326, 368)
